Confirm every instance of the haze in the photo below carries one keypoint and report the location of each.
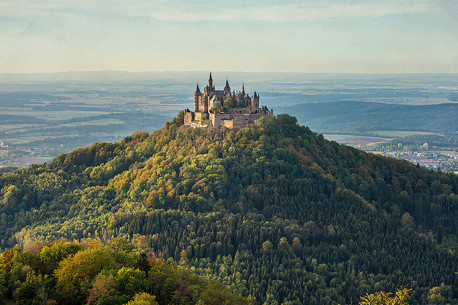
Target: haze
(297, 36)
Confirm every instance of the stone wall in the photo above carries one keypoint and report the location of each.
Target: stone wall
(200, 116)
(240, 111)
(188, 118)
(237, 120)
(228, 123)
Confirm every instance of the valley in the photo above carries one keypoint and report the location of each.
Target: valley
(47, 114)
(274, 211)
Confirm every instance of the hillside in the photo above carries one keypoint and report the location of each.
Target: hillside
(93, 273)
(275, 211)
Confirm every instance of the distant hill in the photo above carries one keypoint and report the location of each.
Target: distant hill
(275, 211)
(358, 116)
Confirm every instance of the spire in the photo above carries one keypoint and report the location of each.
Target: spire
(243, 88)
(210, 81)
(197, 89)
(227, 84)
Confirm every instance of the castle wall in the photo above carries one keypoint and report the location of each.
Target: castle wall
(188, 118)
(240, 111)
(237, 120)
(218, 118)
(228, 123)
(200, 116)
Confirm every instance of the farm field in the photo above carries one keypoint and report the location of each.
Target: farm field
(355, 139)
(400, 133)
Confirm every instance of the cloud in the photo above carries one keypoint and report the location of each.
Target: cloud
(298, 12)
(218, 11)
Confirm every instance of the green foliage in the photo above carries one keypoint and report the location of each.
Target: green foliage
(2, 284)
(143, 299)
(241, 104)
(91, 276)
(387, 298)
(228, 103)
(76, 273)
(274, 211)
(214, 294)
(28, 291)
(442, 294)
(130, 281)
(103, 289)
(51, 255)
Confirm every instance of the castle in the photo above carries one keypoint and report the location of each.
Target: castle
(224, 108)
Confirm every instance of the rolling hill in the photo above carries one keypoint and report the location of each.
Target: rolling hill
(274, 211)
(363, 117)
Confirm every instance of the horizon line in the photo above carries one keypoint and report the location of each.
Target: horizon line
(221, 71)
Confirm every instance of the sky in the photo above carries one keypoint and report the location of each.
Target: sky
(358, 36)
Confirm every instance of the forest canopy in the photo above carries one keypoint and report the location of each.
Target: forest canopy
(272, 210)
(92, 273)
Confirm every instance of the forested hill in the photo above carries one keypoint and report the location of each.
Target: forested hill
(358, 116)
(274, 210)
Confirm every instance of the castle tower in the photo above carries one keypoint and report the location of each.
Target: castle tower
(227, 89)
(210, 89)
(255, 102)
(197, 98)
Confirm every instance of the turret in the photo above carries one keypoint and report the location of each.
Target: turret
(227, 89)
(210, 81)
(197, 98)
(210, 89)
(254, 105)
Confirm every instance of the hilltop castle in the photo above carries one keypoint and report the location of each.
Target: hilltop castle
(224, 108)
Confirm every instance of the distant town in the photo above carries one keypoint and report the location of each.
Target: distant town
(443, 162)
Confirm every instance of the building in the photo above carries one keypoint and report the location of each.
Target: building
(224, 108)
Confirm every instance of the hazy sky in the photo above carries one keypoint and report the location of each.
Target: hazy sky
(378, 36)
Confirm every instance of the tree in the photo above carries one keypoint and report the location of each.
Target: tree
(267, 246)
(143, 264)
(2, 285)
(296, 245)
(442, 294)
(123, 252)
(130, 281)
(228, 103)
(387, 298)
(11, 197)
(143, 299)
(51, 255)
(28, 292)
(76, 273)
(283, 245)
(216, 295)
(104, 285)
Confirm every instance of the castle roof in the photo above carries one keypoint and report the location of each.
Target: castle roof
(227, 84)
(197, 89)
